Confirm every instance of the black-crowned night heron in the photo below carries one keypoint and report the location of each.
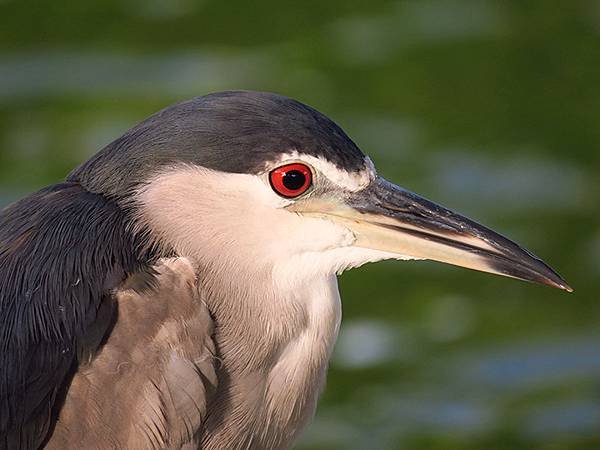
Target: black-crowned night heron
(179, 289)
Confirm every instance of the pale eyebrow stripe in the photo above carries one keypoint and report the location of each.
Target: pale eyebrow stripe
(352, 181)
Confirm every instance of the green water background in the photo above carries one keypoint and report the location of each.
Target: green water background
(489, 107)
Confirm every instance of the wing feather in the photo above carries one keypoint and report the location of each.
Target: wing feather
(150, 384)
(61, 251)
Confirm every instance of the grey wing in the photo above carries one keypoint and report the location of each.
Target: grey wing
(150, 383)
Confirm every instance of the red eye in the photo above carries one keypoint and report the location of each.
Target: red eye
(291, 180)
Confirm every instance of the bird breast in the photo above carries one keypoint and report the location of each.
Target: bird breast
(274, 377)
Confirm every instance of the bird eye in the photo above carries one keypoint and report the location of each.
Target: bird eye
(291, 180)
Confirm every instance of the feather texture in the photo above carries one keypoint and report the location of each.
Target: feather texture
(62, 250)
(149, 385)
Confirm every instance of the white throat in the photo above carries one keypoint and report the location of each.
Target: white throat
(268, 276)
(275, 300)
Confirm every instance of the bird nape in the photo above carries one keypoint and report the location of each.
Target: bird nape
(179, 289)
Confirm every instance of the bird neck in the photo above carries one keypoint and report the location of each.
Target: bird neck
(275, 345)
(266, 323)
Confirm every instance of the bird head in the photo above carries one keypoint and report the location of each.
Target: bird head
(245, 181)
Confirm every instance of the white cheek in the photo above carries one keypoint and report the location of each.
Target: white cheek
(231, 219)
(331, 261)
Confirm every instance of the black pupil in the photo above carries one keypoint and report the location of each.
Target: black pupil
(294, 180)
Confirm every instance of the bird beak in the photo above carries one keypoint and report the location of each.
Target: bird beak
(388, 218)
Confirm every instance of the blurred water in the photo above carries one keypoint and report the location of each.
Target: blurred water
(465, 398)
(82, 73)
(363, 344)
(527, 365)
(518, 185)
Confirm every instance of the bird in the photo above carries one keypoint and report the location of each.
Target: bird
(178, 289)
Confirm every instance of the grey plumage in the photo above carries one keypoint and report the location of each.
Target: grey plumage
(168, 295)
(54, 277)
(155, 373)
(233, 131)
(64, 249)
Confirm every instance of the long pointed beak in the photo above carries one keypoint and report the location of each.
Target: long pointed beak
(386, 217)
